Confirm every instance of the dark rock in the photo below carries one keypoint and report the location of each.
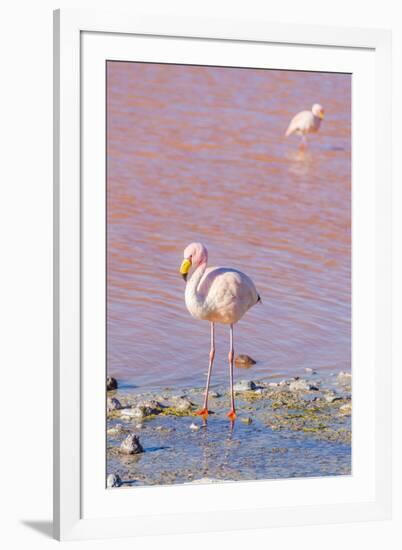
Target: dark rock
(111, 383)
(131, 445)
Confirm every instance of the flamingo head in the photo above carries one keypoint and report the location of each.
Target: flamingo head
(195, 254)
(318, 110)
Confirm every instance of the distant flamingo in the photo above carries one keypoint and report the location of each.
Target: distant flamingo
(218, 295)
(306, 122)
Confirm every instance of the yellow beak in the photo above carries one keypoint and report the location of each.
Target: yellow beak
(322, 115)
(185, 268)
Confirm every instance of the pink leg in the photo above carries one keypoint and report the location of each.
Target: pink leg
(303, 143)
(232, 413)
(204, 411)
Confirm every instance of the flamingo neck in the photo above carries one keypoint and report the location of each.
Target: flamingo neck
(192, 294)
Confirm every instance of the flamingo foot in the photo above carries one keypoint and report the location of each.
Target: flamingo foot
(232, 415)
(203, 412)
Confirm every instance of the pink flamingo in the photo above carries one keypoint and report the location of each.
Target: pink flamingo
(306, 122)
(218, 295)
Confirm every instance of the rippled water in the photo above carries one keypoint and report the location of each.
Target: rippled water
(198, 154)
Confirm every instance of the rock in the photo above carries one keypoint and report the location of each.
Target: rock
(344, 378)
(115, 430)
(131, 445)
(113, 480)
(111, 383)
(246, 420)
(182, 403)
(301, 385)
(346, 409)
(331, 396)
(244, 361)
(113, 404)
(244, 385)
(274, 384)
(143, 409)
(194, 427)
(214, 394)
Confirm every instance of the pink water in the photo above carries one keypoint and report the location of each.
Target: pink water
(198, 154)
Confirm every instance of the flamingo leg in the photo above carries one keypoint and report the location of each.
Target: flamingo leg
(232, 413)
(204, 411)
(303, 143)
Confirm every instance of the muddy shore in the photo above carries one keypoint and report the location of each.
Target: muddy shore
(298, 427)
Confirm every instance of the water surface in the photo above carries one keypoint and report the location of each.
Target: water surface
(198, 154)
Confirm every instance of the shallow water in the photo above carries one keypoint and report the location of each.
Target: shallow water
(286, 436)
(198, 154)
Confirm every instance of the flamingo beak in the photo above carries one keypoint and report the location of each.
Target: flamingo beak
(185, 268)
(321, 114)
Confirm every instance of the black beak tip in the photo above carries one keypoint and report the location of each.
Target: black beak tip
(184, 275)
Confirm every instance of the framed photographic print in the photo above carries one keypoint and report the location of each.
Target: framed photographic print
(222, 274)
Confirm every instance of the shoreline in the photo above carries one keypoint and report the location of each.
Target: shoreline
(297, 427)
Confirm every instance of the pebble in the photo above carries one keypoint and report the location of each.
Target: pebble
(214, 394)
(330, 397)
(246, 420)
(111, 383)
(117, 429)
(194, 427)
(129, 413)
(301, 385)
(310, 370)
(244, 385)
(344, 378)
(131, 445)
(143, 409)
(244, 361)
(113, 404)
(182, 403)
(113, 480)
(346, 409)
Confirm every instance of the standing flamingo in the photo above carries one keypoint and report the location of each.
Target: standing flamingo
(218, 295)
(306, 122)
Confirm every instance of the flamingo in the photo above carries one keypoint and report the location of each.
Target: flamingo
(218, 295)
(306, 122)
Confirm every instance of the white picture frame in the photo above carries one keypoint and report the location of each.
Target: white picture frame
(82, 506)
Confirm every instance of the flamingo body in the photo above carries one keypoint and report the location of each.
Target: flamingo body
(306, 122)
(222, 295)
